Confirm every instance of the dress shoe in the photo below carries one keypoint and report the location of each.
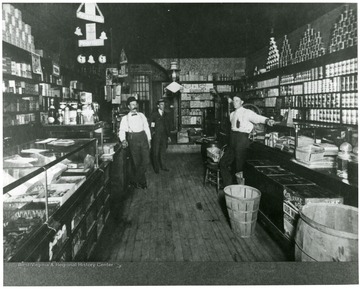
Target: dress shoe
(156, 171)
(165, 169)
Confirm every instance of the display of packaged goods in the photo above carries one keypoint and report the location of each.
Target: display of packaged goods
(344, 32)
(301, 195)
(273, 55)
(45, 141)
(10, 175)
(18, 161)
(24, 218)
(77, 181)
(311, 46)
(309, 153)
(326, 162)
(62, 142)
(290, 180)
(269, 171)
(329, 149)
(33, 151)
(77, 171)
(286, 54)
(57, 193)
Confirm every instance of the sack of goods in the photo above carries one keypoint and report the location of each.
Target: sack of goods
(214, 153)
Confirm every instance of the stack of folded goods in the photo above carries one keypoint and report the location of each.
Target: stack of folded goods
(304, 141)
(317, 155)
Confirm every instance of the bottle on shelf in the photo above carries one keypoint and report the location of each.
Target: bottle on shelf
(79, 116)
(72, 113)
(60, 116)
(51, 112)
(66, 115)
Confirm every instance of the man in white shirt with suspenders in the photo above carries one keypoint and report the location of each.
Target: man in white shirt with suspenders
(134, 132)
(242, 123)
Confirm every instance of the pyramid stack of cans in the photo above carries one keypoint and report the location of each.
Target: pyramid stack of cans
(311, 46)
(344, 32)
(273, 57)
(286, 54)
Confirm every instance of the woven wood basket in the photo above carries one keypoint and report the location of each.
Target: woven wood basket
(242, 204)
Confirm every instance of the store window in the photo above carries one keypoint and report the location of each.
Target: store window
(141, 86)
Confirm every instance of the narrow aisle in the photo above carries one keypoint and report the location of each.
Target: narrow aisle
(179, 219)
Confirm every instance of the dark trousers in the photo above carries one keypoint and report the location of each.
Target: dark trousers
(237, 150)
(159, 146)
(139, 152)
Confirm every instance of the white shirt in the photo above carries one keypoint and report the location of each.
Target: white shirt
(160, 112)
(134, 123)
(245, 118)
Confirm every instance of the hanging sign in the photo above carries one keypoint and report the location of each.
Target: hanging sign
(36, 63)
(91, 37)
(56, 69)
(90, 12)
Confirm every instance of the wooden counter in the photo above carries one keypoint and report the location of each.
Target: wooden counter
(76, 131)
(325, 178)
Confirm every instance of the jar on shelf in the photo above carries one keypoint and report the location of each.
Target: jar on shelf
(342, 160)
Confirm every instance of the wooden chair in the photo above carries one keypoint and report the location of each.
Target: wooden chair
(212, 174)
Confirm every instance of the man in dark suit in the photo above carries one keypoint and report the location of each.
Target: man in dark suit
(160, 130)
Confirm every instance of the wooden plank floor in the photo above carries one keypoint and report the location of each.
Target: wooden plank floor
(179, 219)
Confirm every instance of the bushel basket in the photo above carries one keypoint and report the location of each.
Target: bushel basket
(242, 204)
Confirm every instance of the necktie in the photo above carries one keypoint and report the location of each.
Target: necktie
(238, 123)
(133, 114)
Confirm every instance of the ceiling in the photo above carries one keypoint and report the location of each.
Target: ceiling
(161, 30)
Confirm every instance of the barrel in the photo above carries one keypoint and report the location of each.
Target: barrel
(327, 232)
(242, 204)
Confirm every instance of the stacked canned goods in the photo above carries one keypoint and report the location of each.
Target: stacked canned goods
(311, 46)
(344, 32)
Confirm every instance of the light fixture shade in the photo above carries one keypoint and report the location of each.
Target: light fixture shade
(174, 87)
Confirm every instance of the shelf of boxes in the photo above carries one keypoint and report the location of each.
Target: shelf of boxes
(15, 30)
(324, 93)
(195, 97)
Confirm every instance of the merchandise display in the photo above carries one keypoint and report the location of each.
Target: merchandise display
(225, 100)
(35, 186)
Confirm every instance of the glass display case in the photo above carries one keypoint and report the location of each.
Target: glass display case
(296, 136)
(38, 178)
